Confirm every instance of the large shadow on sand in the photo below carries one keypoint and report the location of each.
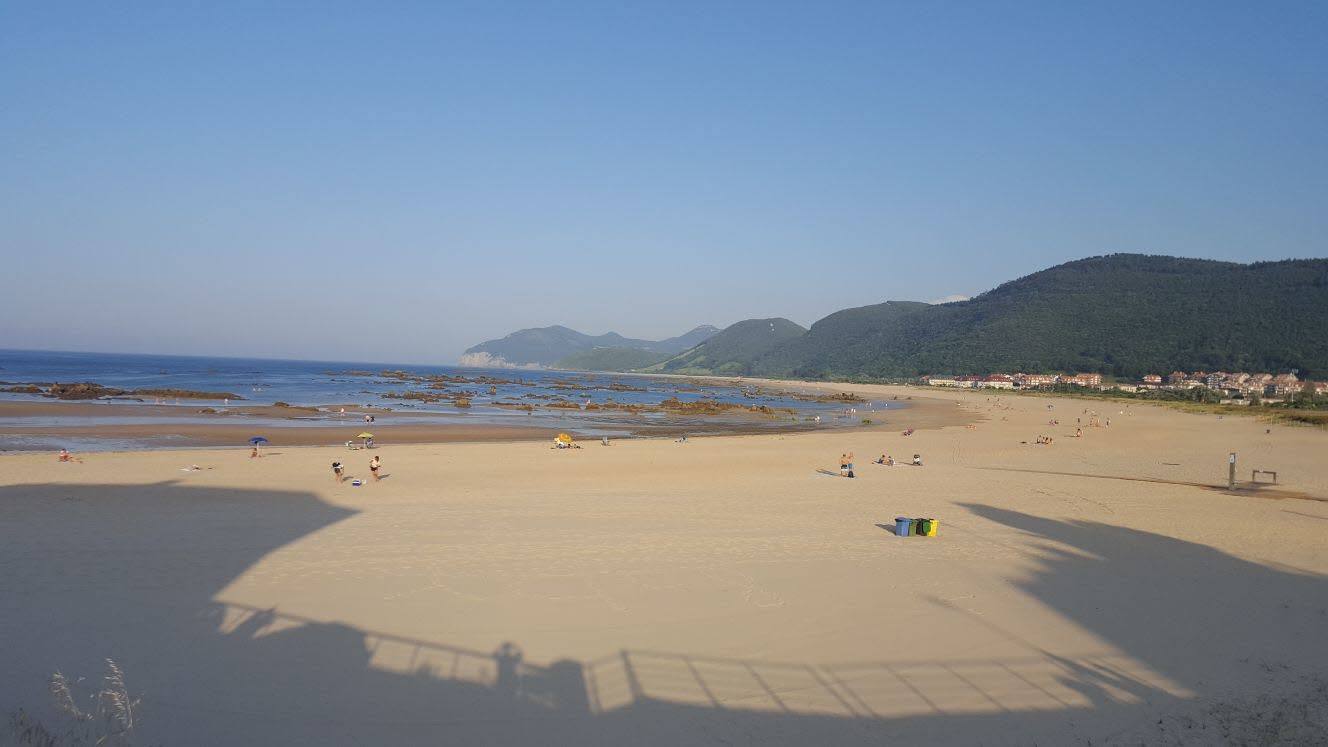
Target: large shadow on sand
(95, 571)
(1191, 612)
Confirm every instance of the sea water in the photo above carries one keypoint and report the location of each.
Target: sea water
(361, 384)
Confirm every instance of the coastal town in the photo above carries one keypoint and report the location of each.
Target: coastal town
(1234, 388)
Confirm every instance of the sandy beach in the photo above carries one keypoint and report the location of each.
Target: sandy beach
(1106, 589)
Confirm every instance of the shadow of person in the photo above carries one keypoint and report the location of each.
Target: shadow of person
(508, 660)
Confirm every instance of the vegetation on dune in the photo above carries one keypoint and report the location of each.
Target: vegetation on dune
(106, 716)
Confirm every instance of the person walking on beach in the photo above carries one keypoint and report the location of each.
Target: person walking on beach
(374, 464)
(338, 471)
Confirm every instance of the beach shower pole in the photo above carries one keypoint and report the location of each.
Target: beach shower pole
(1231, 471)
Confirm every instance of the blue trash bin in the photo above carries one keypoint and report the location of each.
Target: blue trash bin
(903, 526)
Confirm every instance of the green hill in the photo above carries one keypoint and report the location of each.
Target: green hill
(1123, 314)
(609, 359)
(731, 352)
(545, 346)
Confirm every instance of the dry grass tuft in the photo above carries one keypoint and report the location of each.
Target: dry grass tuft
(109, 721)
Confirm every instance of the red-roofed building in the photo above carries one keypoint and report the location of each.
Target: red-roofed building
(1086, 379)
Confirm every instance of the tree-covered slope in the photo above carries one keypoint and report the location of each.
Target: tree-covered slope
(1121, 314)
(731, 352)
(685, 341)
(545, 346)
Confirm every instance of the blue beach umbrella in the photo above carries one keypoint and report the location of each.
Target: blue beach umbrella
(256, 440)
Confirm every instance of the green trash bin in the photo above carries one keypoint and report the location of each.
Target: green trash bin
(926, 527)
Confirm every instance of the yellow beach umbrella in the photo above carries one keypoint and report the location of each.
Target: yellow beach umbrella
(365, 435)
(564, 438)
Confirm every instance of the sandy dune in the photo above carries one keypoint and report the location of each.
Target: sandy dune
(721, 591)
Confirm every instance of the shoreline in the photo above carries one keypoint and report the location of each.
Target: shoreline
(231, 429)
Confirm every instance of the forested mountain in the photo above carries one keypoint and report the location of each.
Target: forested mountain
(731, 352)
(1122, 314)
(545, 346)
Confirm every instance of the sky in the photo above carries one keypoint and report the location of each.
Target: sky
(399, 181)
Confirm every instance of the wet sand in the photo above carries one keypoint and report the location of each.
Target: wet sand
(320, 426)
(178, 435)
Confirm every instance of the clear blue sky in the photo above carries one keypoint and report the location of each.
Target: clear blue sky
(394, 181)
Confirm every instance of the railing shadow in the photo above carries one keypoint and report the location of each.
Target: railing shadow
(618, 683)
(116, 583)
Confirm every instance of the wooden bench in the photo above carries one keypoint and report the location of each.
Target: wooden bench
(1254, 474)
